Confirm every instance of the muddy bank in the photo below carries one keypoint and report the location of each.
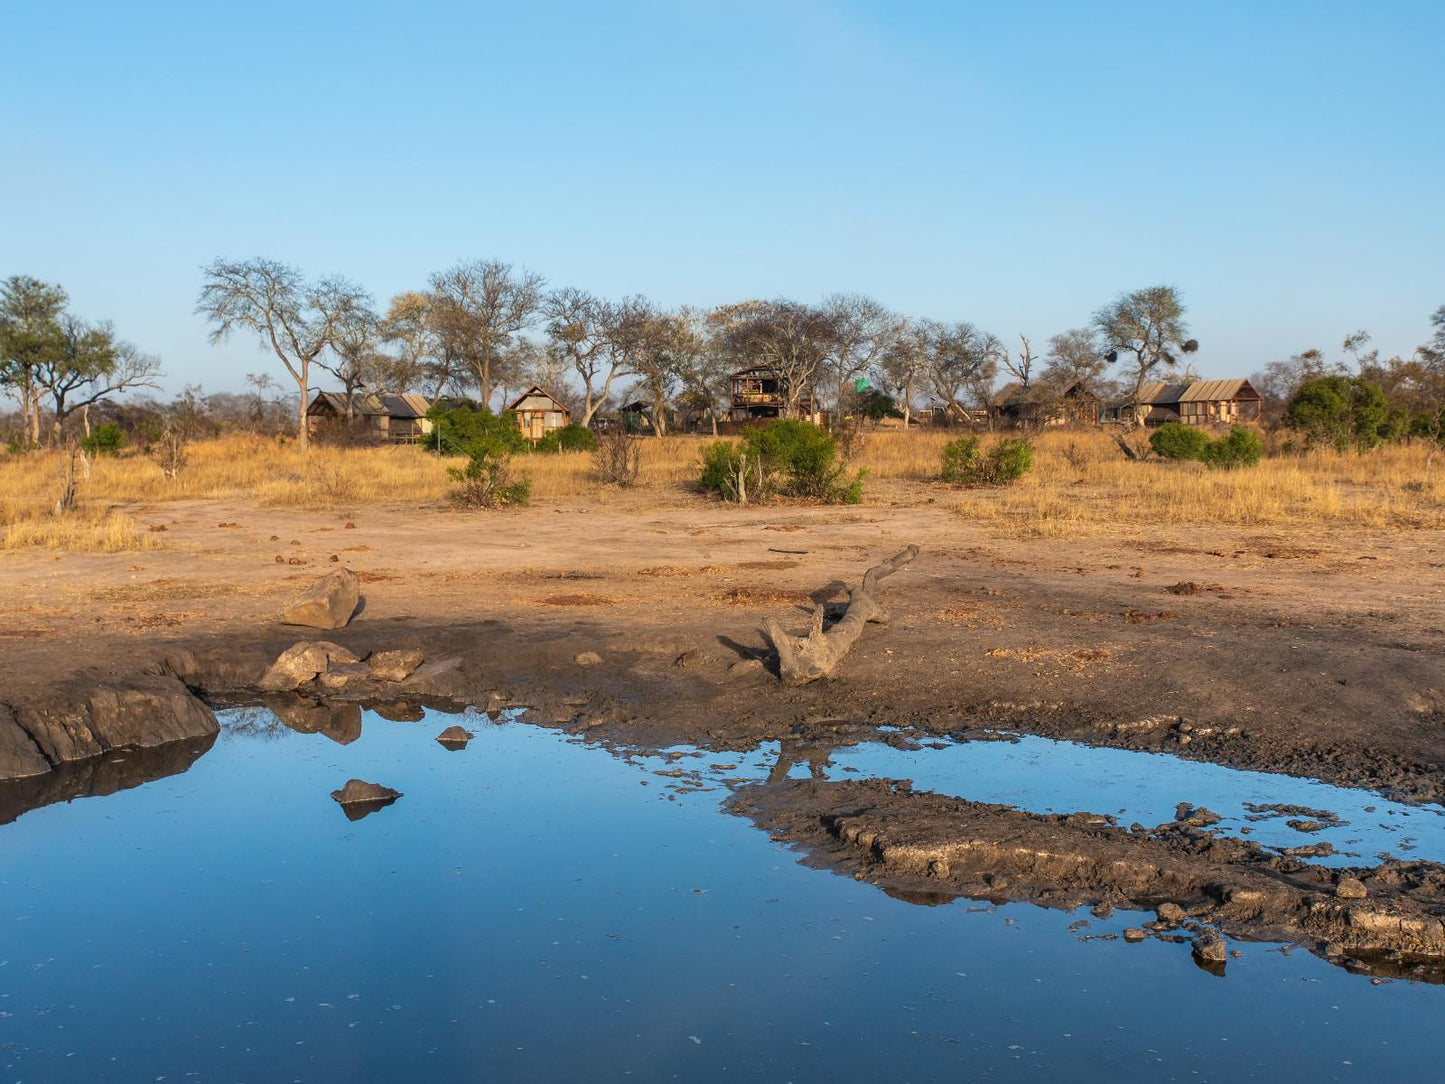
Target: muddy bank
(1388, 918)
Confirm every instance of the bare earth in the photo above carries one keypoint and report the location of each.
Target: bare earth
(1317, 655)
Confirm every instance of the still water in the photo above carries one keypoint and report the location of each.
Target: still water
(536, 908)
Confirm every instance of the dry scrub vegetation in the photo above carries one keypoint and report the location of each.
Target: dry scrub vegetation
(1081, 485)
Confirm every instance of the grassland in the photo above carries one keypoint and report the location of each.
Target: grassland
(1081, 485)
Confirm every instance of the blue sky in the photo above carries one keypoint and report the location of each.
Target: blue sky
(1016, 165)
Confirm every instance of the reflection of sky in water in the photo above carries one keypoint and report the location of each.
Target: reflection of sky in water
(530, 910)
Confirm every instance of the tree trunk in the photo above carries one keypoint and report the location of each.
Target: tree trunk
(712, 415)
(303, 438)
(801, 660)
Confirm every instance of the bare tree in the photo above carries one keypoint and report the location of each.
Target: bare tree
(905, 362)
(792, 339)
(296, 318)
(704, 367)
(674, 344)
(489, 303)
(860, 333)
(962, 363)
(1149, 325)
(354, 355)
(1074, 358)
(577, 326)
(89, 365)
(407, 326)
(1022, 366)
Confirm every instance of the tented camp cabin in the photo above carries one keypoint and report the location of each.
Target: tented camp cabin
(1014, 404)
(538, 412)
(397, 419)
(1203, 402)
(761, 392)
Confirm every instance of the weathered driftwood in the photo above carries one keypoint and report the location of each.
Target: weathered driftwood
(805, 659)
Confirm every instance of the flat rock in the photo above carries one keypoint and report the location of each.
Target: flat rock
(1210, 948)
(328, 604)
(340, 675)
(588, 658)
(745, 668)
(395, 665)
(455, 737)
(1134, 934)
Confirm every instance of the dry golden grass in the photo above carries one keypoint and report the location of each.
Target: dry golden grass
(1081, 485)
(27, 525)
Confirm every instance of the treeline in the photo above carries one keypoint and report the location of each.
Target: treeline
(481, 328)
(485, 326)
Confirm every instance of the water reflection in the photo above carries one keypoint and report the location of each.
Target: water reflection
(100, 776)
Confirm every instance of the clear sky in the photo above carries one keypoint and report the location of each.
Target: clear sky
(1016, 165)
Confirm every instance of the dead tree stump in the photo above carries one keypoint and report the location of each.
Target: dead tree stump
(805, 659)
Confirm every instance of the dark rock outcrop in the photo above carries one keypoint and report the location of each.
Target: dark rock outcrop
(359, 798)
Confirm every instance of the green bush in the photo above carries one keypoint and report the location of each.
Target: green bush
(464, 430)
(570, 438)
(1242, 448)
(486, 482)
(1342, 411)
(966, 463)
(1174, 440)
(107, 439)
(790, 458)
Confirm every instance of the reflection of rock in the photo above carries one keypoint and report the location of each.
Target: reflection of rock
(400, 711)
(394, 665)
(341, 722)
(1386, 919)
(140, 713)
(455, 737)
(97, 776)
(328, 603)
(359, 798)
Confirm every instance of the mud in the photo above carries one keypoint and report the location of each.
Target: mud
(1387, 919)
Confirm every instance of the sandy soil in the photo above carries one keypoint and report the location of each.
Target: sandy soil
(1316, 655)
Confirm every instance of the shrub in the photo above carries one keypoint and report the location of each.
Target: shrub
(1342, 411)
(107, 439)
(486, 482)
(1242, 448)
(1174, 440)
(618, 456)
(791, 458)
(966, 463)
(570, 438)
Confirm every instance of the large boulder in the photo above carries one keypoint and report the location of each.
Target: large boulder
(303, 662)
(329, 604)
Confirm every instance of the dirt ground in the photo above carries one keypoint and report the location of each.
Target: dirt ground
(1315, 654)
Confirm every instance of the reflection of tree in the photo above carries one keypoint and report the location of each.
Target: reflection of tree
(252, 721)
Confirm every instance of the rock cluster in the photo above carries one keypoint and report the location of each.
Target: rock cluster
(335, 668)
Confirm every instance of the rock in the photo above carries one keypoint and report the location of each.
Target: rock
(1351, 888)
(1210, 948)
(329, 604)
(359, 798)
(1134, 935)
(395, 665)
(1195, 816)
(303, 662)
(20, 757)
(455, 737)
(745, 668)
(1171, 913)
(588, 658)
(339, 675)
